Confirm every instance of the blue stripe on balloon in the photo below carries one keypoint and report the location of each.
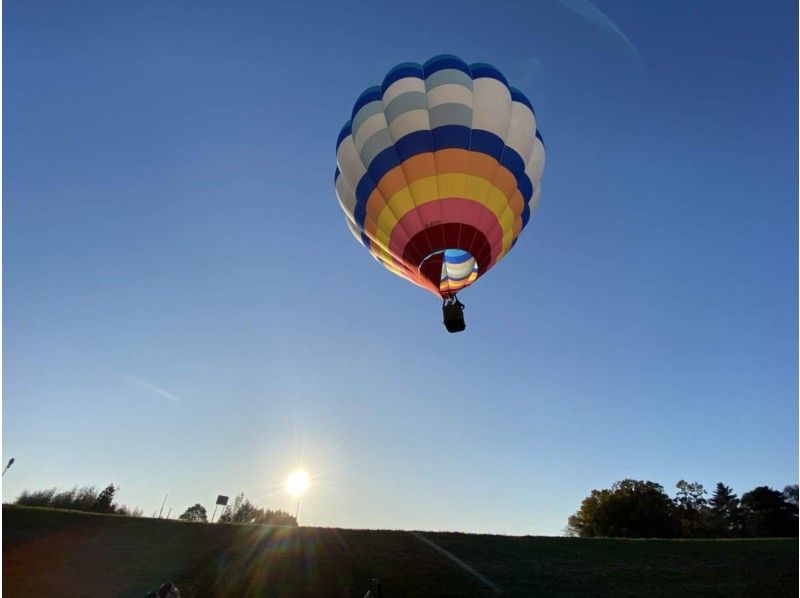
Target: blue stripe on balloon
(456, 256)
(401, 71)
(418, 142)
(445, 61)
(453, 254)
(364, 189)
(487, 143)
(371, 94)
(383, 163)
(526, 215)
(451, 136)
(518, 96)
(525, 187)
(539, 137)
(344, 133)
(481, 69)
(513, 162)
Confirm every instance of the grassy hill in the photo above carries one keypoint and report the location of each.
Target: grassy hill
(63, 553)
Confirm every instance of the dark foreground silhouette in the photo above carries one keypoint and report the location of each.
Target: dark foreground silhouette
(63, 553)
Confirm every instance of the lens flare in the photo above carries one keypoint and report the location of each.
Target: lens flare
(297, 483)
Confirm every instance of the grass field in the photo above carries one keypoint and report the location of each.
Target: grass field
(63, 553)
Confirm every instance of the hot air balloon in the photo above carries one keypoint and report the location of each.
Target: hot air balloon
(438, 172)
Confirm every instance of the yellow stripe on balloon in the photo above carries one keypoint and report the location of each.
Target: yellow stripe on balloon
(477, 189)
(451, 184)
(377, 234)
(454, 286)
(425, 190)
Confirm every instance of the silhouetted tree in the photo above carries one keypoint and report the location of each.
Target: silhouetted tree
(790, 497)
(231, 512)
(638, 509)
(196, 513)
(767, 513)
(630, 509)
(691, 510)
(37, 498)
(726, 518)
(85, 499)
(105, 500)
(78, 499)
(268, 517)
(243, 511)
(690, 495)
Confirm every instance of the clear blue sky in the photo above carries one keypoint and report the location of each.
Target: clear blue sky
(186, 311)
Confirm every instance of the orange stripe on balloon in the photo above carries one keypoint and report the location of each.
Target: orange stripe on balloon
(516, 203)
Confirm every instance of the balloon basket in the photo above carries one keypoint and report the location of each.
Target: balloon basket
(454, 317)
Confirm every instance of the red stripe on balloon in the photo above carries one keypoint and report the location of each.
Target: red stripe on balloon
(441, 212)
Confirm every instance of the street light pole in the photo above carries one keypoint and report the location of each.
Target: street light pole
(10, 463)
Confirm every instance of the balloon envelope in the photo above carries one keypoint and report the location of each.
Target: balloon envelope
(438, 171)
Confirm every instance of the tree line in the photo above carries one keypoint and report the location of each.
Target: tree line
(86, 498)
(242, 511)
(642, 509)
(89, 499)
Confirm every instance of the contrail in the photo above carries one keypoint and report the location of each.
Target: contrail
(146, 385)
(530, 68)
(127, 377)
(588, 11)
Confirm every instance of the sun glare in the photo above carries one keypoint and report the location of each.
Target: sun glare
(297, 483)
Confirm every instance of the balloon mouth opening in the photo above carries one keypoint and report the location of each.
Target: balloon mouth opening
(450, 270)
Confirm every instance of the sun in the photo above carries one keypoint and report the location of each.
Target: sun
(297, 483)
